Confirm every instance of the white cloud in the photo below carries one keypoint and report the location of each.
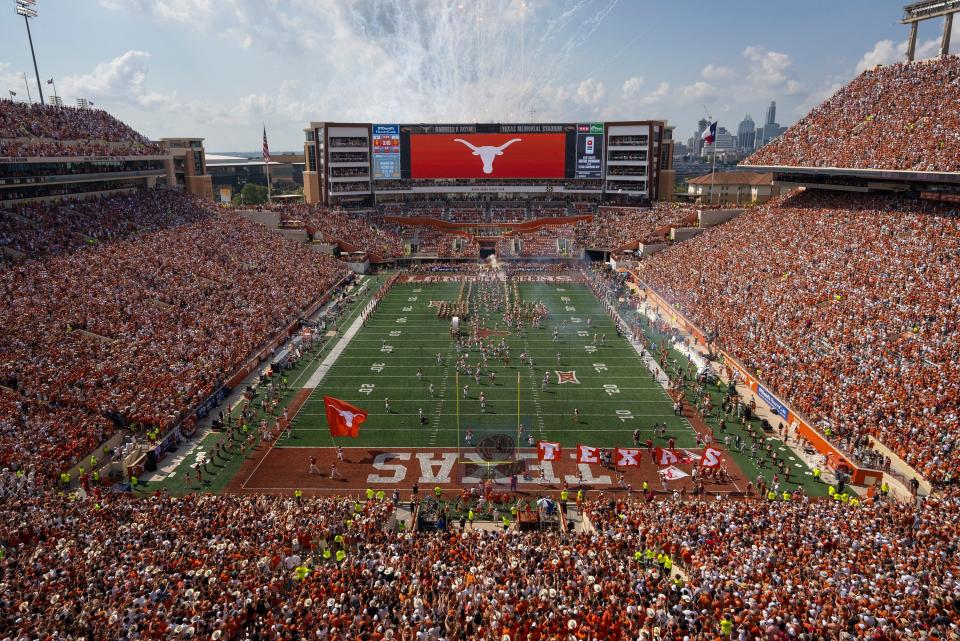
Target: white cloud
(886, 52)
(114, 5)
(631, 87)
(697, 91)
(769, 73)
(121, 79)
(656, 96)
(9, 80)
(717, 72)
(591, 92)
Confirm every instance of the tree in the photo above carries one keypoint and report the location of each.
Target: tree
(253, 194)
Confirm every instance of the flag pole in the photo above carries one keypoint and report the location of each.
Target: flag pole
(713, 170)
(270, 187)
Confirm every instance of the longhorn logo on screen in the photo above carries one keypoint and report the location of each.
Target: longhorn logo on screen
(487, 153)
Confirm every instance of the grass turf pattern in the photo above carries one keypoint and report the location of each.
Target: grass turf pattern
(614, 392)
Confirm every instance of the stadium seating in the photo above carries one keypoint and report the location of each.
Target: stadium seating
(248, 567)
(38, 130)
(903, 116)
(141, 329)
(362, 230)
(613, 227)
(39, 229)
(847, 305)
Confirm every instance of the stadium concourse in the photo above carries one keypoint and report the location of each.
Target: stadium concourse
(124, 314)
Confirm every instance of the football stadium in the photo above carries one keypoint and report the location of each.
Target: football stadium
(486, 380)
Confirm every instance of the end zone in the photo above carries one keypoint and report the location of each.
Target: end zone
(286, 469)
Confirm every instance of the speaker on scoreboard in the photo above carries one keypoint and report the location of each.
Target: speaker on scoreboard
(151, 464)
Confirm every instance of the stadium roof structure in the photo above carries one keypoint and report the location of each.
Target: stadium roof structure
(939, 177)
(752, 178)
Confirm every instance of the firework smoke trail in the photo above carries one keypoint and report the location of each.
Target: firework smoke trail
(462, 60)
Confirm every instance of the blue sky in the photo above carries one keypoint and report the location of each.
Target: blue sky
(220, 68)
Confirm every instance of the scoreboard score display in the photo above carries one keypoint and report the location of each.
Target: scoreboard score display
(487, 150)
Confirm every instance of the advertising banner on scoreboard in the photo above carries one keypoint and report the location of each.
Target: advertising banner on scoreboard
(386, 152)
(589, 150)
(488, 155)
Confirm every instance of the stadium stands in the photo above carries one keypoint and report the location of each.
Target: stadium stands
(360, 229)
(256, 567)
(615, 227)
(546, 242)
(41, 229)
(902, 116)
(846, 305)
(38, 130)
(140, 329)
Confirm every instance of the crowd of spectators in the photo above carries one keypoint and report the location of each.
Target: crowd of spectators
(336, 568)
(432, 241)
(364, 230)
(547, 242)
(348, 156)
(633, 141)
(40, 229)
(341, 172)
(141, 329)
(41, 130)
(846, 305)
(350, 187)
(466, 214)
(628, 155)
(904, 116)
(626, 170)
(614, 227)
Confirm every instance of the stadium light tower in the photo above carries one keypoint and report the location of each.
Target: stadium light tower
(914, 14)
(26, 9)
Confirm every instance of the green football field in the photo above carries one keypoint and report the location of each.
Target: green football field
(612, 389)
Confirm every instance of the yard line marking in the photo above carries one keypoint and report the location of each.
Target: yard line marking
(443, 394)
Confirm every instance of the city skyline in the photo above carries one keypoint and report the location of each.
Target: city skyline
(223, 70)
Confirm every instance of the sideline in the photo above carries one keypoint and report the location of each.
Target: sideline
(334, 354)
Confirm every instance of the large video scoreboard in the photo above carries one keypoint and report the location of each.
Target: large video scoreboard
(485, 150)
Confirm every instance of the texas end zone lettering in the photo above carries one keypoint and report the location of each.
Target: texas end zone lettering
(437, 468)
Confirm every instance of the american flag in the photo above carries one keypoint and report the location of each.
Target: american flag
(266, 147)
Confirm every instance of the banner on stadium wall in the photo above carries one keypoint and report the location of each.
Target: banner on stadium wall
(207, 406)
(171, 440)
(772, 401)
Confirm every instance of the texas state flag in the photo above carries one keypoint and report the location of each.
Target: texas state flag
(343, 418)
(710, 133)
